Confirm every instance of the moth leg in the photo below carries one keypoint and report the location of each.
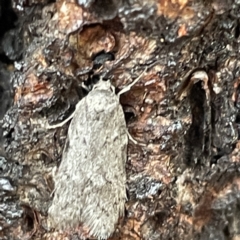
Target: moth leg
(127, 88)
(131, 138)
(84, 86)
(134, 141)
(61, 123)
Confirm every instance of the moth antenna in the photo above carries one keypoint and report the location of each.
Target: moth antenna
(127, 88)
(61, 123)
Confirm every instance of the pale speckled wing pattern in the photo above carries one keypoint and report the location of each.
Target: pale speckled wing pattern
(90, 184)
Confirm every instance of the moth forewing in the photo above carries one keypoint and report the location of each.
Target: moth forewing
(90, 183)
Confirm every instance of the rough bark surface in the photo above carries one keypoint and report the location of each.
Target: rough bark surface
(183, 176)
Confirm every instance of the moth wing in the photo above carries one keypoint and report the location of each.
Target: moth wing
(90, 184)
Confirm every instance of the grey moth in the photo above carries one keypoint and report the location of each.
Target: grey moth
(90, 182)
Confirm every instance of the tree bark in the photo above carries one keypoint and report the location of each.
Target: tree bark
(182, 174)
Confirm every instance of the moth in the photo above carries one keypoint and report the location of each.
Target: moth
(90, 186)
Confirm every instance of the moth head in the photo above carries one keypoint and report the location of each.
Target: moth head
(104, 85)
